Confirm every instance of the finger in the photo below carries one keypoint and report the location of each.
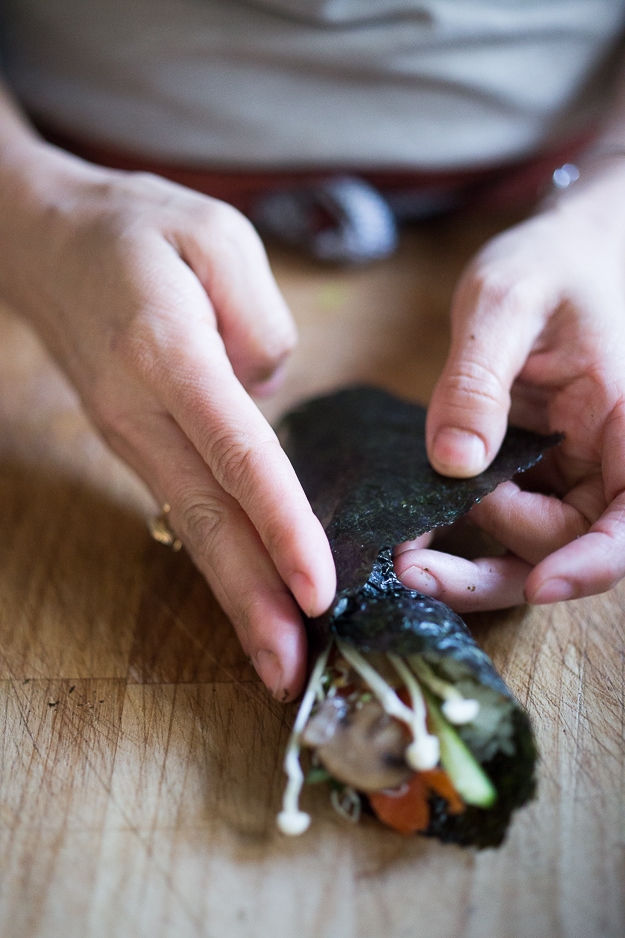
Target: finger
(613, 457)
(465, 585)
(527, 523)
(494, 325)
(592, 564)
(184, 363)
(225, 252)
(226, 548)
(595, 562)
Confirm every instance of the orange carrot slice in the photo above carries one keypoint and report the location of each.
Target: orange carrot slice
(438, 780)
(406, 809)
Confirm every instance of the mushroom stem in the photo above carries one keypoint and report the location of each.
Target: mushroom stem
(291, 820)
(424, 751)
(456, 708)
(383, 691)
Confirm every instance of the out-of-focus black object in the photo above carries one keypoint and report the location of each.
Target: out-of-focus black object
(343, 220)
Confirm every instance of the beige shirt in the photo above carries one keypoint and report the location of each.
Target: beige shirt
(296, 83)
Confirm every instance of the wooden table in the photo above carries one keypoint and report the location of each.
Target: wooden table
(140, 760)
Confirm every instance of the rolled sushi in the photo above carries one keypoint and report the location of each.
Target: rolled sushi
(404, 716)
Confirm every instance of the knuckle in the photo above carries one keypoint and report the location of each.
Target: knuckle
(144, 341)
(240, 241)
(270, 354)
(106, 418)
(109, 414)
(115, 423)
(493, 287)
(240, 464)
(232, 227)
(471, 383)
(233, 461)
(250, 609)
(139, 183)
(491, 279)
(283, 342)
(150, 182)
(254, 611)
(134, 347)
(607, 580)
(203, 518)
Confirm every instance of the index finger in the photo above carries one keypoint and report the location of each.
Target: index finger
(246, 458)
(594, 562)
(188, 369)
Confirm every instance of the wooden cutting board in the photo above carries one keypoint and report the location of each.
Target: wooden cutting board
(140, 756)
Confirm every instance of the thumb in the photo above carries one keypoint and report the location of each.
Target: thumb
(493, 327)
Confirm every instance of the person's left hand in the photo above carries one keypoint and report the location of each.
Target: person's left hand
(538, 334)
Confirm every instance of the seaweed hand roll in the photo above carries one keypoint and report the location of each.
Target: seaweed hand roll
(404, 715)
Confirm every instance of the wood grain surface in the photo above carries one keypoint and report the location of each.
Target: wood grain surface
(140, 757)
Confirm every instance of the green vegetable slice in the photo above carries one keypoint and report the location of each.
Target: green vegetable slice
(470, 780)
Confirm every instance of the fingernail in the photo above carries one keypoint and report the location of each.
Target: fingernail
(304, 592)
(554, 591)
(459, 452)
(420, 579)
(270, 671)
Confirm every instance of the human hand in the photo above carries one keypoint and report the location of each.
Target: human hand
(538, 330)
(160, 306)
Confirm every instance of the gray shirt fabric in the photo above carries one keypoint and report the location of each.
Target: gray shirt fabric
(427, 84)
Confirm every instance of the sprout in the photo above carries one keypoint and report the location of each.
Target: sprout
(460, 710)
(383, 691)
(291, 821)
(424, 750)
(456, 708)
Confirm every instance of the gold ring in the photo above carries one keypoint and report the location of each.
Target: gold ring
(160, 529)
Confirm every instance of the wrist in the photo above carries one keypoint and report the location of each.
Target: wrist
(39, 187)
(35, 175)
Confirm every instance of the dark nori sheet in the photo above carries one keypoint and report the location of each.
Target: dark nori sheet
(361, 458)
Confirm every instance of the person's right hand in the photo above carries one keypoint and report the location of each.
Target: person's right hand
(160, 306)
(538, 334)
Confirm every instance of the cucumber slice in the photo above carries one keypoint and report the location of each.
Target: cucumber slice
(470, 780)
